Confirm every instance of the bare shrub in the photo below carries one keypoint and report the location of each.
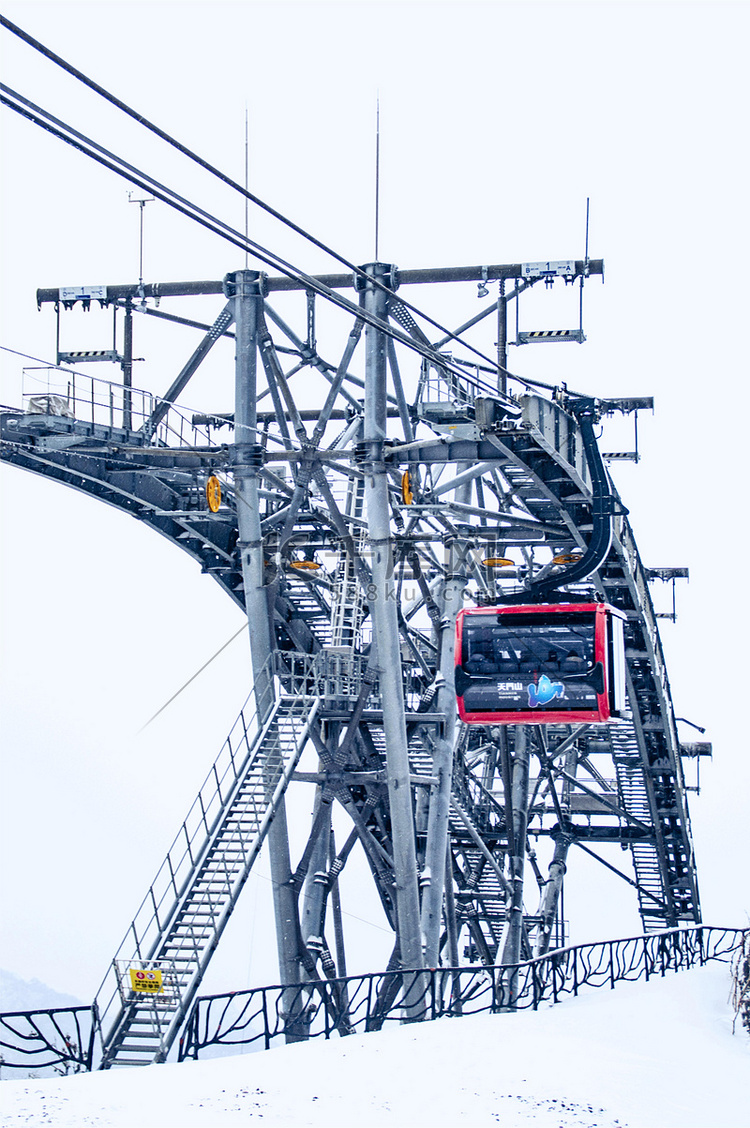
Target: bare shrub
(740, 997)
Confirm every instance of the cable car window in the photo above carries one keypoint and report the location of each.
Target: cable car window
(540, 664)
(520, 662)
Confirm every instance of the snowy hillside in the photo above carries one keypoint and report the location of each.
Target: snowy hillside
(18, 994)
(645, 1055)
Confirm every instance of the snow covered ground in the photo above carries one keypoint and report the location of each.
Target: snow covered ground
(647, 1055)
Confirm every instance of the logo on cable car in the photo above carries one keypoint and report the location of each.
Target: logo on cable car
(544, 692)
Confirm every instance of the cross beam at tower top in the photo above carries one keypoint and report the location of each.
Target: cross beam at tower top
(576, 268)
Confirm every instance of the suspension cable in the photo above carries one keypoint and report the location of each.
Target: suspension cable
(122, 168)
(141, 119)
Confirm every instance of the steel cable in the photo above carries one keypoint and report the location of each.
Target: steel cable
(38, 116)
(207, 166)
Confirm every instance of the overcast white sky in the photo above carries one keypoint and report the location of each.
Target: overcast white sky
(497, 120)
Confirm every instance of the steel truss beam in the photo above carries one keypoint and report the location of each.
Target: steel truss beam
(378, 522)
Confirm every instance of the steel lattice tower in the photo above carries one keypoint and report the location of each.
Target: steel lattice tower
(358, 496)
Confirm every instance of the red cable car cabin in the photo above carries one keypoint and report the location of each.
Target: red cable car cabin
(540, 664)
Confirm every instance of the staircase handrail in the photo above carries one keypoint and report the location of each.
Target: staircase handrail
(188, 847)
(94, 400)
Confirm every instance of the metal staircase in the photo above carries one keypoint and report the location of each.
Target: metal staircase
(478, 837)
(347, 602)
(665, 870)
(480, 899)
(633, 796)
(548, 476)
(524, 464)
(309, 605)
(189, 903)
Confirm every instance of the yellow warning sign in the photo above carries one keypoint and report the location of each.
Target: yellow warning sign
(148, 981)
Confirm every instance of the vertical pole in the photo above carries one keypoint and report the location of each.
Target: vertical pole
(455, 1006)
(520, 797)
(377, 179)
(434, 879)
(553, 893)
(502, 340)
(553, 889)
(451, 923)
(247, 186)
(383, 610)
(338, 924)
(127, 366)
(245, 287)
(316, 883)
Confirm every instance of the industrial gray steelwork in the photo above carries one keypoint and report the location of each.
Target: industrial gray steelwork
(367, 486)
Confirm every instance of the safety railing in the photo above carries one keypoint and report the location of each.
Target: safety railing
(329, 674)
(266, 1016)
(174, 875)
(47, 1042)
(67, 394)
(445, 384)
(335, 675)
(62, 1040)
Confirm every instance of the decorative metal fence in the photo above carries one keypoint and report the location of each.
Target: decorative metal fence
(64, 1040)
(262, 1017)
(45, 1042)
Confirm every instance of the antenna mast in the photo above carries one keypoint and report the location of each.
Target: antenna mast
(586, 268)
(377, 178)
(247, 182)
(142, 202)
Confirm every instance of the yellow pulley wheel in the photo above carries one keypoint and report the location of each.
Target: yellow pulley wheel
(406, 490)
(498, 562)
(567, 558)
(305, 565)
(213, 493)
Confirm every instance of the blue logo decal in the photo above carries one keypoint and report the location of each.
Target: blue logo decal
(545, 692)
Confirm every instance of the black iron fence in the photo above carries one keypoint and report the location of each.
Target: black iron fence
(266, 1016)
(64, 1040)
(47, 1042)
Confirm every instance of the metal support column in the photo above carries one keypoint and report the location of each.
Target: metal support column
(502, 339)
(557, 868)
(563, 838)
(127, 367)
(315, 889)
(245, 287)
(433, 878)
(384, 613)
(520, 799)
